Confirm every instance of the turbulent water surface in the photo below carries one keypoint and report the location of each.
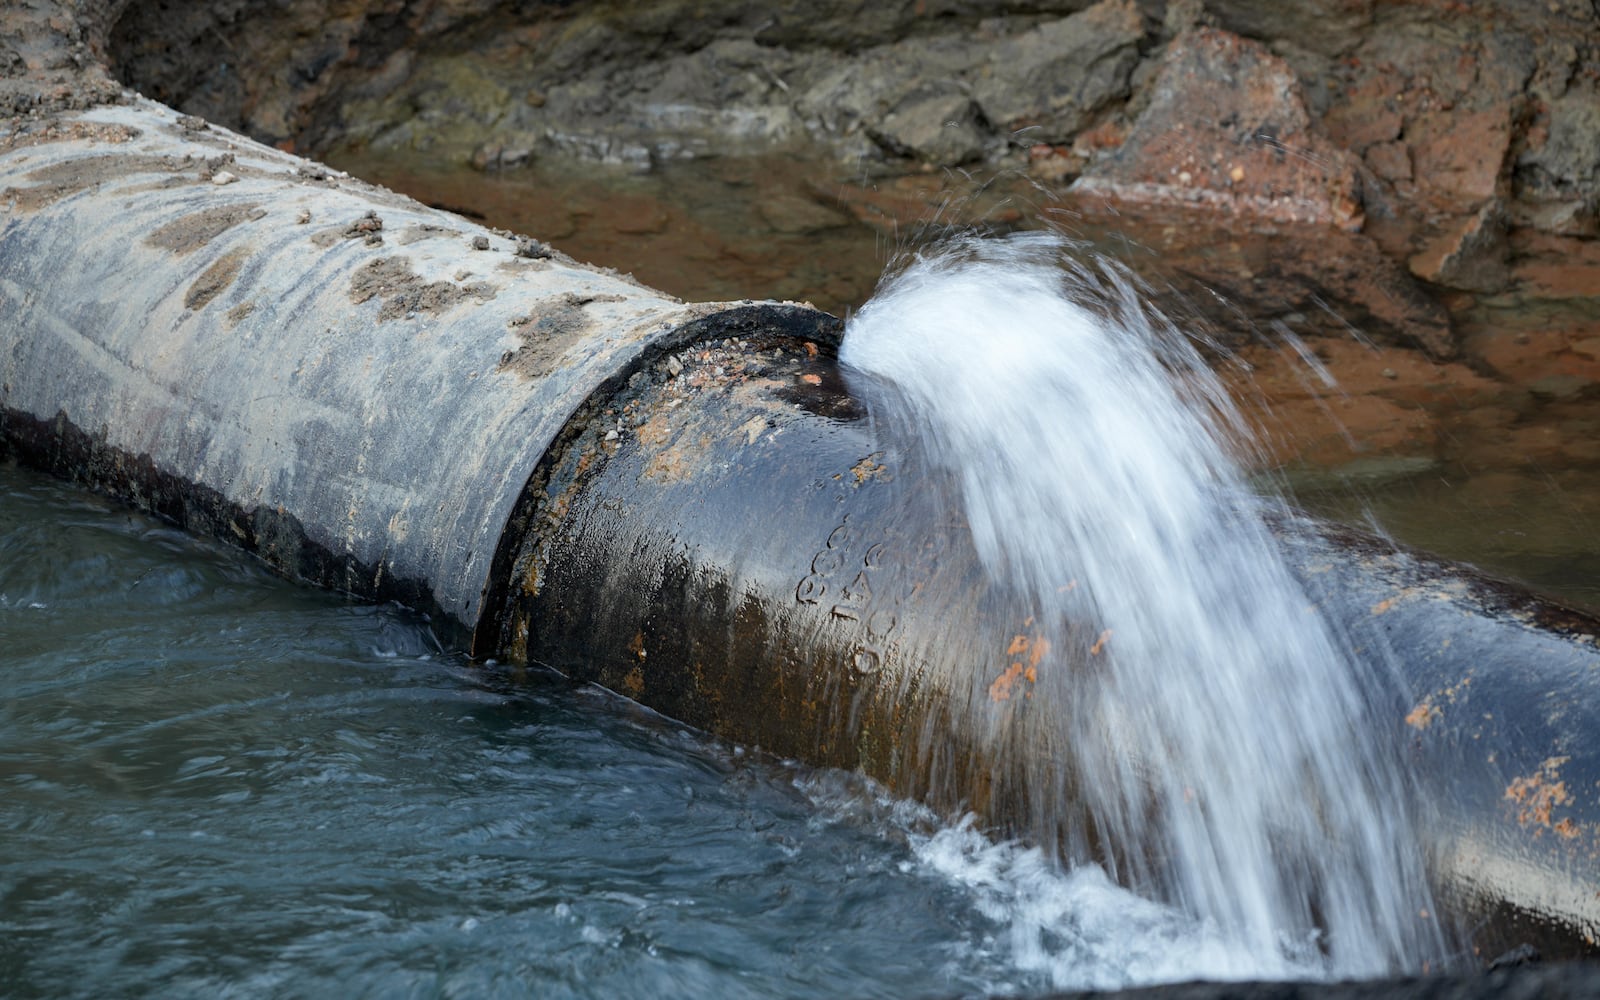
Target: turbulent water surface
(215, 782)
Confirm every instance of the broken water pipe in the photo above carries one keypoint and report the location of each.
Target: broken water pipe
(683, 502)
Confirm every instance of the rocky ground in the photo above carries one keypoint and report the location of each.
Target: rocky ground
(1425, 174)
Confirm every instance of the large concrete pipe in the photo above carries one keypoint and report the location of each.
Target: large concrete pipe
(682, 502)
(343, 381)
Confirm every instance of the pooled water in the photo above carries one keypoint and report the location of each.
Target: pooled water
(215, 782)
(1219, 732)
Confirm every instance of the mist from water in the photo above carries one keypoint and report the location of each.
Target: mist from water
(1219, 736)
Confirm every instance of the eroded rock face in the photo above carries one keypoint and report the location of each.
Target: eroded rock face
(1226, 127)
(1420, 170)
(1445, 108)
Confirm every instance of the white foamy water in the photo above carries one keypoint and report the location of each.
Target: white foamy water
(1218, 732)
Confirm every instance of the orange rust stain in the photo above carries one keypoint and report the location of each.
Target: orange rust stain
(636, 647)
(1537, 795)
(811, 349)
(1000, 690)
(811, 379)
(1422, 715)
(1034, 649)
(1428, 709)
(1383, 605)
(1100, 643)
(868, 469)
(655, 431)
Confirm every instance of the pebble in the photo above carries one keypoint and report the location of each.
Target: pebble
(674, 366)
(223, 177)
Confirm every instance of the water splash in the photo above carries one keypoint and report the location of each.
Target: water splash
(1221, 751)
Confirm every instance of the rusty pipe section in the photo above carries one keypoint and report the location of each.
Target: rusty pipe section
(1500, 716)
(347, 383)
(732, 541)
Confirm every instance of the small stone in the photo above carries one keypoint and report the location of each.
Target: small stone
(674, 366)
(1561, 388)
(1236, 174)
(1390, 160)
(1470, 255)
(368, 225)
(612, 435)
(1589, 347)
(304, 217)
(1389, 373)
(223, 177)
(480, 243)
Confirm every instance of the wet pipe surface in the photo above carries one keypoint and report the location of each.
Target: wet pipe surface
(731, 541)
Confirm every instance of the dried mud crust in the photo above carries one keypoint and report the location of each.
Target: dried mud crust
(404, 293)
(193, 231)
(215, 279)
(49, 184)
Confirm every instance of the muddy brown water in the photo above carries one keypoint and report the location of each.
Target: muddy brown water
(1492, 458)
